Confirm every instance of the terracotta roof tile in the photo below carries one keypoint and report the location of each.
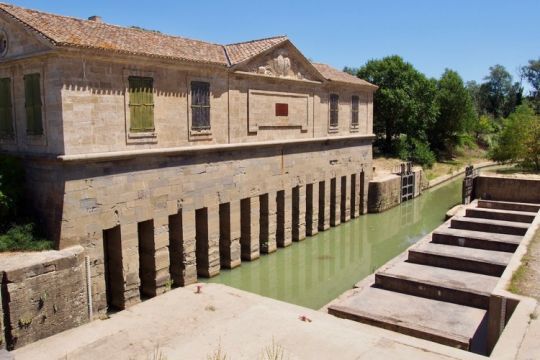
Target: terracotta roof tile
(240, 52)
(333, 74)
(69, 31)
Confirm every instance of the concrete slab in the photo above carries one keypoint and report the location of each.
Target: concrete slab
(487, 225)
(475, 239)
(442, 284)
(506, 215)
(479, 261)
(183, 325)
(424, 318)
(506, 205)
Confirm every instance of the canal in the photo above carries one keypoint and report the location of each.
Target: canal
(313, 272)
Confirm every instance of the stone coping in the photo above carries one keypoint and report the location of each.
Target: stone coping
(444, 178)
(117, 155)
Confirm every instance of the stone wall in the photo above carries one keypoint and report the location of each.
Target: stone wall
(385, 191)
(516, 189)
(43, 294)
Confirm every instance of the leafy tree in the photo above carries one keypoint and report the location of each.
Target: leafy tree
(405, 101)
(498, 96)
(456, 113)
(531, 73)
(519, 140)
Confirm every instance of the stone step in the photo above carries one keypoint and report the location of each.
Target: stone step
(458, 287)
(446, 323)
(487, 225)
(506, 215)
(475, 239)
(506, 205)
(478, 261)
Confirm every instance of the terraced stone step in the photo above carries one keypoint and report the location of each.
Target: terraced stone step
(505, 215)
(458, 287)
(487, 225)
(506, 205)
(475, 239)
(478, 261)
(446, 323)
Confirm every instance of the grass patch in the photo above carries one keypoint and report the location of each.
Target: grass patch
(23, 238)
(518, 277)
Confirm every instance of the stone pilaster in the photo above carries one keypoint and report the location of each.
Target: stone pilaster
(324, 205)
(229, 218)
(268, 222)
(335, 201)
(345, 198)
(162, 257)
(189, 262)
(249, 238)
(312, 209)
(130, 263)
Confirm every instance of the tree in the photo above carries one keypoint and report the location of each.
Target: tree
(531, 73)
(498, 96)
(519, 140)
(456, 113)
(405, 101)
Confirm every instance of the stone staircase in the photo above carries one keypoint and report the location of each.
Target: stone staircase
(440, 290)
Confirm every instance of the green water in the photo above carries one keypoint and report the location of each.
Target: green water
(313, 272)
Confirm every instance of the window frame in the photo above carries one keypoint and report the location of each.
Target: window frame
(355, 112)
(333, 107)
(35, 106)
(8, 135)
(139, 137)
(204, 128)
(142, 104)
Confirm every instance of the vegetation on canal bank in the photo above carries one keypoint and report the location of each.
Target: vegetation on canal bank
(426, 120)
(18, 232)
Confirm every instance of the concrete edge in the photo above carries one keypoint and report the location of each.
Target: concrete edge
(444, 178)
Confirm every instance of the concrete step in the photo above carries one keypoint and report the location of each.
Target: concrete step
(478, 261)
(506, 205)
(475, 239)
(458, 287)
(449, 324)
(506, 215)
(487, 225)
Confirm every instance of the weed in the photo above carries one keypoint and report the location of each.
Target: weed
(158, 355)
(273, 352)
(210, 308)
(218, 354)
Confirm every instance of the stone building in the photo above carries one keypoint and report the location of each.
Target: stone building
(167, 158)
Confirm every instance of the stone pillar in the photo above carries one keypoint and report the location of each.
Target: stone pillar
(130, 264)
(207, 241)
(363, 193)
(229, 240)
(312, 209)
(162, 260)
(335, 201)
(355, 188)
(345, 199)
(249, 228)
(298, 221)
(284, 217)
(268, 222)
(188, 273)
(324, 205)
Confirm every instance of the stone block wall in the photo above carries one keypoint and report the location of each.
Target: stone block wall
(42, 294)
(384, 193)
(516, 189)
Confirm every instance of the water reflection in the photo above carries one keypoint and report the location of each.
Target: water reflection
(313, 272)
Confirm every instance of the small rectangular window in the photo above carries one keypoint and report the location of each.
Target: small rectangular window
(282, 109)
(200, 105)
(354, 111)
(141, 104)
(32, 105)
(6, 112)
(334, 108)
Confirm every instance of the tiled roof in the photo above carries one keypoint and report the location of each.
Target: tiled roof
(240, 52)
(72, 32)
(333, 74)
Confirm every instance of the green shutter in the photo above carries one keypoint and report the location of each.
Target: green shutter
(141, 104)
(32, 94)
(6, 119)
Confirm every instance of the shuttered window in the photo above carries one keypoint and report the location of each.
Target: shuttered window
(141, 104)
(6, 117)
(32, 96)
(354, 109)
(334, 102)
(200, 105)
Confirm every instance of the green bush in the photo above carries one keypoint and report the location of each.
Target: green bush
(23, 238)
(417, 151)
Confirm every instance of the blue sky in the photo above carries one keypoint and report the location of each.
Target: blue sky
(467, 36)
